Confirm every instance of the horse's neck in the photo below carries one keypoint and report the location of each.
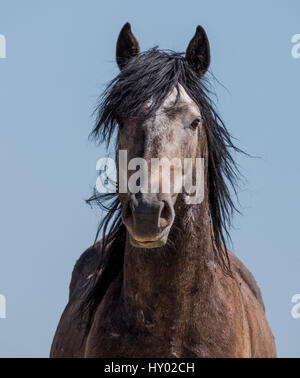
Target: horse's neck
(166, 285)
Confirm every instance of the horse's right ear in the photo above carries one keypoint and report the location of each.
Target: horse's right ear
(127, 46)
(198, 52)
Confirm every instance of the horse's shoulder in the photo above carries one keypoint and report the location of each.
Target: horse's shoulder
(86, 265)
(241, 272)
(69, 330)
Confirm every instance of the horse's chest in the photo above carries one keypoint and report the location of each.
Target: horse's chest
(112, 336)
(175, 333)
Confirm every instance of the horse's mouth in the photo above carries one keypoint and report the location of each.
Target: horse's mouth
(159, 242)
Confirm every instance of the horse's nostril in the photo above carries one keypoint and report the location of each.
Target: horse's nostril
(128, 211)
(165, 215)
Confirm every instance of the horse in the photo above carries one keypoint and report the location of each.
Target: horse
(162, 282)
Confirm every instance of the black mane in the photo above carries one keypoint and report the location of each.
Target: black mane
(152, 75)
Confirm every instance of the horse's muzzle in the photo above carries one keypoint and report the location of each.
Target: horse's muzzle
(148, 219)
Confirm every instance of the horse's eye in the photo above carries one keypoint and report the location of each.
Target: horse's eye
(195, 123)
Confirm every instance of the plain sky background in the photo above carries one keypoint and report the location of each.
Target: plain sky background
(60, 54)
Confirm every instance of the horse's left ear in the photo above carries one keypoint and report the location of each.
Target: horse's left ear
(127, 46)
(198, 52)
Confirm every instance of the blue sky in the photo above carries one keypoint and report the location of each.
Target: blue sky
(60, 55)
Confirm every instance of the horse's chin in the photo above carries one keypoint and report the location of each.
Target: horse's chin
(157, 243)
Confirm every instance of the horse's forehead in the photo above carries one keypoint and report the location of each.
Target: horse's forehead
(184, 98)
